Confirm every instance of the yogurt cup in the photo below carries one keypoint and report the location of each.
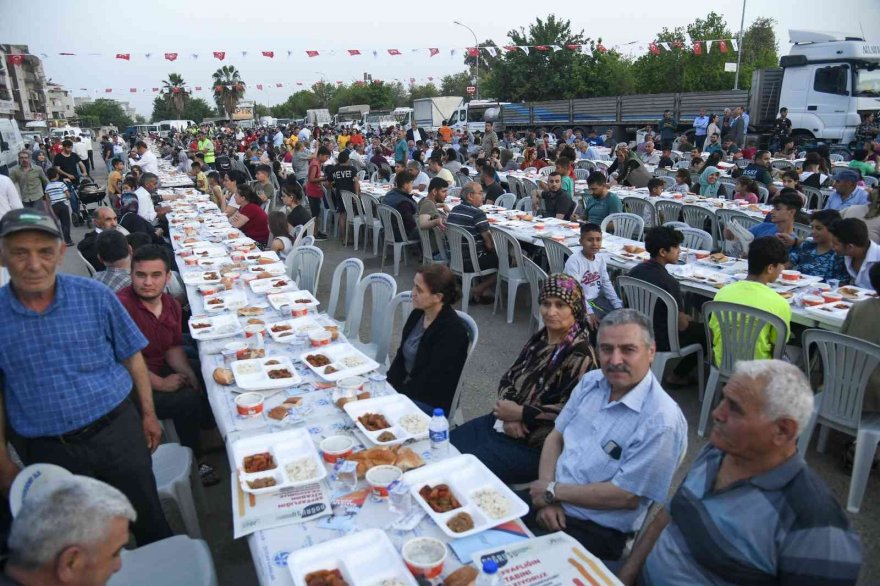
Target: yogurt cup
(230, 350)
(813, 300)
(319, 338)
(298, 310)
(336, 447)
(249, 404)
(379, 477)
(830, 297)
(791, 275)
(424, 557)
(351, 383)
(254, 329)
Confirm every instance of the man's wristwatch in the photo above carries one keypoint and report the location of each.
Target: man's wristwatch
(550, 493)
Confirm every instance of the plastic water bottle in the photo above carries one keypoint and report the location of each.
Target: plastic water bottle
(438, 432)
(489, 576)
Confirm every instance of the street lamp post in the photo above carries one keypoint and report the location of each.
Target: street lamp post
(477, 67)
(323, 89)
(739, 47)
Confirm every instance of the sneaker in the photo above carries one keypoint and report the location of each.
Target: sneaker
(206, 473)
(69, 244)
(319, 237)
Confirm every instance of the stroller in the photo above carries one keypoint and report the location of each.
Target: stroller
(91, 197)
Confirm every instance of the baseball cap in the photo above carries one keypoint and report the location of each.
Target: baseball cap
(847, 175)
(34, 480)
(24, 219)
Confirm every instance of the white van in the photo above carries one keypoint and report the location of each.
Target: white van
(65, 132)
(169, 127)
(11, 143)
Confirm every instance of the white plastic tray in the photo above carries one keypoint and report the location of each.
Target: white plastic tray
(274, 269)
(859, 293)
(286, 447)
(199, 277)
(258, 379)
(208, 251)
(365, 558)
(231, 300)
(253, 257)
(393, 407)
(260, 286)
(464, 475)
(337, 353)
(838, 309)
(222, 326)
(213, 262)
(279, 300)
(297, 325)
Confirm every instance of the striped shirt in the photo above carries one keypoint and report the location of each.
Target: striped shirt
(780, 527)
(57, 191)
(471, 219)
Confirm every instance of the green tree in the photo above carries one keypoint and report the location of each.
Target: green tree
(228, 88)
(324, 92)
(455, 84)
(759, 49)
(428, 90)
(296, 105)
(176, 93)
(106, 112)
(195, 109)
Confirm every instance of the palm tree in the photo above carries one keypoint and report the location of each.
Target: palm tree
(228, 88)
(175, 90)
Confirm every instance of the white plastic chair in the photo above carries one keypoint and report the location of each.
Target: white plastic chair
(382, 288)
(428, 237)
(506, 201)
(529, 186)
(307, 229)
(802, 231)
(815, 197)
(644, 297)
(515, 186)
(545, 171)
(669, 181)
(848, 364)
(88, 266)
(351, 270)
(328, 212)
(509, 268)
(696, 238)
(361, 174)
(557, 253)
(524, 205)
(697, 217)
(667, 211)
(641, 207)
(403, 303)
(582, 172)
(456, 417)
(740, 327)
(354, 216)
(625, 225)
(170, 562)
(763, 194)
(458, 238)
(677, 225)
(536, 277)
(370, 205)
(308, 241)
(391, 217)
(303, 265)
(173, 470)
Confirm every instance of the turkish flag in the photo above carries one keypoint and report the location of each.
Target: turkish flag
(155, 89)
(269, 54)
(218, 88)
(125, 56)
(573, 47)
(220, 55)
(354, 52)
(393, 52)
(430, 79)
(542, 48)
(511, 48)
(108, 90)
(433, 51)
(655, 50)
(723, 46)
(259, 86)
(312, 53)
(698, 48)
(412, 80)
(171, 56)
(133, 90)
(198, 88)
(16, 59)
(377, 82)
(601, 48)
(473, 51)
(678, 44)
(279, 85)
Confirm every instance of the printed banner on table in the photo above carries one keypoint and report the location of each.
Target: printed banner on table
(551, 560)
(252, 512)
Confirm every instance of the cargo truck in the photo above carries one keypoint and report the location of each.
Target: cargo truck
(429, 113)
(351, 115)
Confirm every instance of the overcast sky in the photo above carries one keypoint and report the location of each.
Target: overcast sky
(159, 26)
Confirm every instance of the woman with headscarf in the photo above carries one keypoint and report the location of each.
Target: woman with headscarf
(709, 184)
(530, 159)
(134, 223)
(630, 170)
(184, 165)
(534, 389)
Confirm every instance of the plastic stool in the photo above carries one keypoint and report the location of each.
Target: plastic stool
(174, 561)
(172, 465)
(169, 432)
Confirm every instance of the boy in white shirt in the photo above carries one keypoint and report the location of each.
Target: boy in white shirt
(589, 268)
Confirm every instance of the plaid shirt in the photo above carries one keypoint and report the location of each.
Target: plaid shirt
(63, 366)
(114, 278)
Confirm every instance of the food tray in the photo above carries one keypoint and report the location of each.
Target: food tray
(392, 407)
(230, 300)
(201, 277)
(274, 269)
(195, 243)
(286, 447)
(241, 241)
(464, 475)
(298, 325)
(803, 281)
(213, 262)
(365, 558)
(838, 309)
(253, 375)
(279, 300)
(337, 353)
(260, 286)
(222, 326)
(852, 293)
(208, 251)
(253, 258)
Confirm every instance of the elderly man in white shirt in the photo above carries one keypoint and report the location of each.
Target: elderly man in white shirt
(146, 209)
(9, 197)
(146, 159)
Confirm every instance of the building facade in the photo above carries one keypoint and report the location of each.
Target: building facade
(23, 90)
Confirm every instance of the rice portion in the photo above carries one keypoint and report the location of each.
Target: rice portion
(302, 469)
(491, 502)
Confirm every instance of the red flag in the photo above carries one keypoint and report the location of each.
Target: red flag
(155, 89)
(108, 90)
(473, 51)
(133, 90)
(16, 59)
(542, 48)
(412, 80)
(218, 88)
(698, 49)
(430, 79)
(354, 52)
(220, 55)
(655, 50)
(377, 82)
(312, 53)
(723, 46)
(170, 56)
(125, 56)
(434, 51)
(573, 47)
(67, 54)
(601, 48)
(269, 54)
(511, 48)
(279, 85)
(393, 52)
(198, 88)
(338, 82)
(259, 86)
(299, 83)
(175, 90)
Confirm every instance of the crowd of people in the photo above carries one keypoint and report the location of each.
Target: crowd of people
(91, 366)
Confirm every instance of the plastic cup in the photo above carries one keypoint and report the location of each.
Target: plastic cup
(249, 404)
(321, 338)
(336, 447)
(831, 297)
(791, 275)
(379, 477)
(424, 557)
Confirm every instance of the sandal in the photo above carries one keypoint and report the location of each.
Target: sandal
(207, 475)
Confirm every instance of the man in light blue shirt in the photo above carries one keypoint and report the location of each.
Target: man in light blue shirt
(615, 447)
(701, 123)
(846, 192)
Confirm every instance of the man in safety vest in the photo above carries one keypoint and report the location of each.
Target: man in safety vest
(206, 146)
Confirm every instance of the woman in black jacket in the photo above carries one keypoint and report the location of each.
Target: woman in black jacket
(434, 343)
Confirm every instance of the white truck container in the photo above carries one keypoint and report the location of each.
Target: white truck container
(429, 113)
(472, 116)
(318, 117)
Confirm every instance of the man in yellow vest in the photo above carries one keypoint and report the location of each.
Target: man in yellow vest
(206, 147)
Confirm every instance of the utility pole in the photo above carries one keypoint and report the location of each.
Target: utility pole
(477, 48)
(739, 47)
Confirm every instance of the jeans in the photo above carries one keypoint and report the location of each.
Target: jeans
(316, 207)
(62, 212)
(510, 460)
(699, 141)
(116, 454)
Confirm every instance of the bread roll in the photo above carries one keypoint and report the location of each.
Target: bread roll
(464, 576)
(223, 376)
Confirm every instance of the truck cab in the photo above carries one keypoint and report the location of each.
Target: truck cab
(472, 116)
(829, 81)
(403, 116)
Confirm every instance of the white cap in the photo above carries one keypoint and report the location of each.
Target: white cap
(33, 480)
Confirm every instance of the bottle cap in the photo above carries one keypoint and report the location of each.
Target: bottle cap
(490, 567)
(438, 412)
